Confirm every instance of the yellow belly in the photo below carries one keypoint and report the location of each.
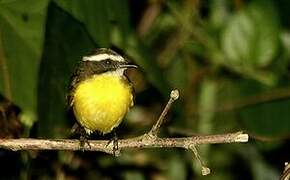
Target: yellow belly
(100, 103)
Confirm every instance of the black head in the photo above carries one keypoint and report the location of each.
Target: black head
(104, 60)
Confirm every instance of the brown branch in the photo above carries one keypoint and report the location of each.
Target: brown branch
(148, 140)
(144, 141)
(149, 16)
(174, 95)
(286, 173)
(204, 170)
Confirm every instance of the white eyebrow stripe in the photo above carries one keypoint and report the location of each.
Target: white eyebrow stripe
(100, 57)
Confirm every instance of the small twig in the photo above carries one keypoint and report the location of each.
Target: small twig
(174, 95)
(148, 17)
(204, 170)
(286, 173)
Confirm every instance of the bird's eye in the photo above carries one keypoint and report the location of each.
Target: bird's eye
(107, 61)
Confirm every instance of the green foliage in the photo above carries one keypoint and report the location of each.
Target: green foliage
(100, 17)
(250, 39)
(22, 26)
(269, 119)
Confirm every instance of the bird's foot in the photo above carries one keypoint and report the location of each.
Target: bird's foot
(115, 142)
(84, 140)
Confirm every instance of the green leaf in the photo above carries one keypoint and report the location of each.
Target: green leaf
(250, 40)
(99, 17)
(61, 54)
(21, 32)
(268, 118)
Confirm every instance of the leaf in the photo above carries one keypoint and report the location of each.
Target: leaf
(270, 119)
(22, 32)
(99, 17)
(250, 40)
(61, 54)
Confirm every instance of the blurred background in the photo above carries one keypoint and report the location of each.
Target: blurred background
(228, 58)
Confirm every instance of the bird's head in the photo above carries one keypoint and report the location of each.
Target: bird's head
(106, 60)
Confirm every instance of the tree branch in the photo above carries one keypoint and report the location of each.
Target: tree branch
(174, 95)
(144, 141)
(148, 140)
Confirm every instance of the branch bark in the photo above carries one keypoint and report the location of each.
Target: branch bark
(174, 95)
(144, 141)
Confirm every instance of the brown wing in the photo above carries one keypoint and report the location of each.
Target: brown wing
(82, 71)
(72, 86)
(127, 80)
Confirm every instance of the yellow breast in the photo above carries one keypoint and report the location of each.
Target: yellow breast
(101, 102)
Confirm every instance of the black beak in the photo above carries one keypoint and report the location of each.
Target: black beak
(127, 65)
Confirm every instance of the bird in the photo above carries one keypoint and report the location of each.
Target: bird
(100, 94)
